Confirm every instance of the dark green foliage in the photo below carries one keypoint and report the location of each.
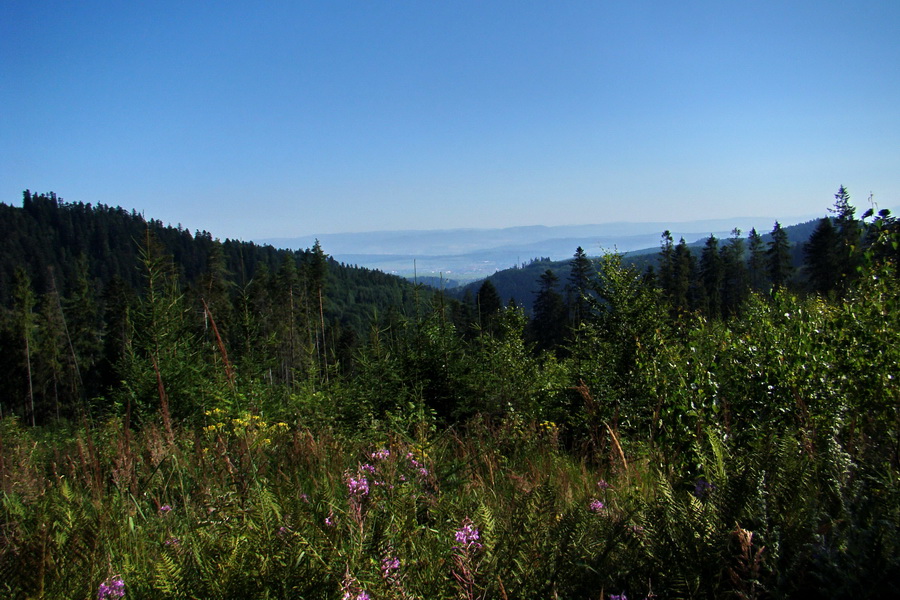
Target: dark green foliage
(778, 258)
(712, 273)
(756, 261)
(823, 270)
(580, 275)
(489, 305)
(548, 325)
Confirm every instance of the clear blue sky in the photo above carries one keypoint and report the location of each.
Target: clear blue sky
(263, 119)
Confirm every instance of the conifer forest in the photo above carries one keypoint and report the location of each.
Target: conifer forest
(184, 417)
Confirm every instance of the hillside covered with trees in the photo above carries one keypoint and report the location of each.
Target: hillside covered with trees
(189, 418)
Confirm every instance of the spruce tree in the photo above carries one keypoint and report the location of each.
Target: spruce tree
(712, 276)
(548, 326)
(848, 233)
(736, 281)
(778, 258)
(489, 305)
(579, 280)
(821, 258)
(756, 262)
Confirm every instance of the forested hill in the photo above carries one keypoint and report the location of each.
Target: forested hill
(59, 243)
(522, 283)
(94, 295)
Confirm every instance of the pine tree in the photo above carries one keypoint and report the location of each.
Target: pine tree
(667, 264)
(756, 262)
(712, 275)
(579, 280)
(778, 258)
(848, 232)
(489, 305)
(548, 326)
(821, 251)
(683, 294)
(736, 281)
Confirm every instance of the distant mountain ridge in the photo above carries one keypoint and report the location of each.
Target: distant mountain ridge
(470, 254)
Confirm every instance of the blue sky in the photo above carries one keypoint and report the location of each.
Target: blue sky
(265, 119)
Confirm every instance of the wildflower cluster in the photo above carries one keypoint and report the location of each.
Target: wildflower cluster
(467, 536)
(382, 454)
(244, 425)
(352, 589)
(419, 468)
(389, 566)
(465, 564)
(112, 588)
(358, 487)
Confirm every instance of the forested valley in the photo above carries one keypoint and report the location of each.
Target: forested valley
(189, 418)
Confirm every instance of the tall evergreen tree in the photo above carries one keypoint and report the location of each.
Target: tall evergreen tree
(736, 281)
(667, 264)
(712, 276)
(823, 269)
(489, 305)
(778, 258)
(848, 232)
(579, 281)
(756, 262)
(548, 326)
(683, 296)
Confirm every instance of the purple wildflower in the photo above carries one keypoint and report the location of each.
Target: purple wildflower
(368, 468)
(363, 595)
(329, 520)
(389, 565)
(602, 484)
(618, 597)
(468, 536)
(597, 506)
(174, 542)
(423, 472)
(165, 509)
(358, 487)
(703, 488)
(382, 454)
(113, 587)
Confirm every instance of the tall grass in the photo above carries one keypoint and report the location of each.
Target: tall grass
(246, 508)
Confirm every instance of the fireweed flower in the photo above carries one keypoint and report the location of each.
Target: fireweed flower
(112, 588)
(389, 565)
(358, 487)
(468, 536)
(597, 506)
